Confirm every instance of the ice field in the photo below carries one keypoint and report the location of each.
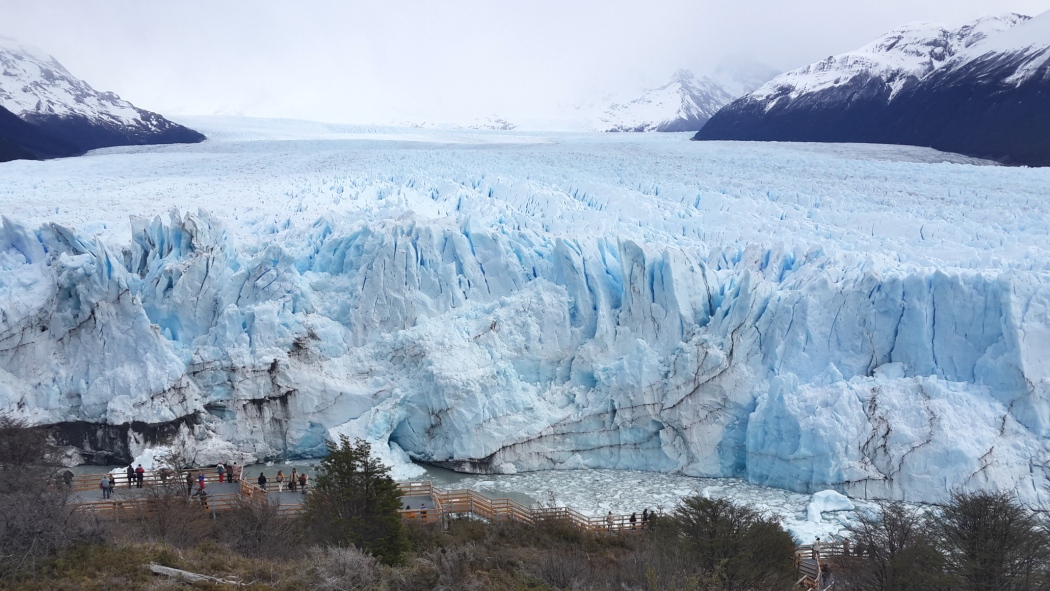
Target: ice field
(869, 319)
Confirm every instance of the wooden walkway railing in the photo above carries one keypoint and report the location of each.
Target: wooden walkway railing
(439, 505)
(469, 502)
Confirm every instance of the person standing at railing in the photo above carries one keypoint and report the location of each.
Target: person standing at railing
(293, 480)
(201, 479)
(140, 474)
(302, 482)
(609, 521)
(234, 472)
(816, 550)
(131, 475)
(221, 470)
(189, 483)
(633, 520)
(112, 482)
(645, 517)
(262, 481)
(107, 488)
(280, 481)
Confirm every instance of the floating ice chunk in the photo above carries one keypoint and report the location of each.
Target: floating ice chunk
(827, 501)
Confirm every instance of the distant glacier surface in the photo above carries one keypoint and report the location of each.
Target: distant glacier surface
(872, 319)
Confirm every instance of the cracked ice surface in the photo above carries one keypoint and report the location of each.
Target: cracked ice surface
(870, 319)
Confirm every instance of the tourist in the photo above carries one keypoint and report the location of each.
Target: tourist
(201, 479)
(816, 550)
(609, 521)
(262, 481)
(280, 481)
(293, 480)
(235, 472)
(189, 483)
(112, 482)
(131, 475)
(302, 482)
(645, 517)
(845, 547)
(203, 494)
(221, 470)
(107, 487)
(423, 512)
(633, 519)
(140, 474)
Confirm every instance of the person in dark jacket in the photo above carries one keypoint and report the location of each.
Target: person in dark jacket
(633, 520)
(189, 483)
(140, 474)
(262, 481)
(131, 475)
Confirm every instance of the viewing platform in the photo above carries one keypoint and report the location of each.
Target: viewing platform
(422, 502)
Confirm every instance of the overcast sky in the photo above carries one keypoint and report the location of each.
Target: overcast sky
(450, 61)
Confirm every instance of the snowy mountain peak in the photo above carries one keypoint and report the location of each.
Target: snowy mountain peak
(68, 114)
(980, 89)
(35, 83)
(685, 103)
(899, 57)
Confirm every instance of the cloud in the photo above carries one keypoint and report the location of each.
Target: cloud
(411, 60)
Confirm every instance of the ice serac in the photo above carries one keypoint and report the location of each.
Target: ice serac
(56, 114)
(980, 89)
(501, 348)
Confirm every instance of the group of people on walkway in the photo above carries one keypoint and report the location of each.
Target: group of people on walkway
(136, 476)
(610, 520)
(226, 472)
(295, 480)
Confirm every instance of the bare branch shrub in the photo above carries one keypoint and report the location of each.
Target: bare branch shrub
(344, 569)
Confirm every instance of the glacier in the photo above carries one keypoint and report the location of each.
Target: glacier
(869, 319)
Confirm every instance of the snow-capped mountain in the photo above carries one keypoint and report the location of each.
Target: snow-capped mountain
(980, 89)
(687, 101)
(683, 104)
(65, 114)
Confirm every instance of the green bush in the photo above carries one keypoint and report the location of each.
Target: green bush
(354, 502)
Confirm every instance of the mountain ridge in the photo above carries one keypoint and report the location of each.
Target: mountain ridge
(64, 116)
(921, 84)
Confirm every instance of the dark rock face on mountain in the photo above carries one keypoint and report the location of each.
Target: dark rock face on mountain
(981, 90)
(46, 112)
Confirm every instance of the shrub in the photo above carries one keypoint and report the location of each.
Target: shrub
(734, 546)
(354, 502)
(36, 517)
(343, 569)
(898, 552)
(991, 542)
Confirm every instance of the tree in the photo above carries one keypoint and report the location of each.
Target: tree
(896, 551)
(991, 542)
(734, 544)
(355, 502)
(36, 518)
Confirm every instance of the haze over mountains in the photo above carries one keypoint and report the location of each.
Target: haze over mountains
(687, 101)
(46, 112)
(982, 89)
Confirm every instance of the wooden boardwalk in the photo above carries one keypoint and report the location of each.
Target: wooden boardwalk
(424, 503)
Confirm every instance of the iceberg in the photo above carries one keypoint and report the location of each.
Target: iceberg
(508, 323)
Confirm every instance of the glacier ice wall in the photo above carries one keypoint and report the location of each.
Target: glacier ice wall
(502, 349)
